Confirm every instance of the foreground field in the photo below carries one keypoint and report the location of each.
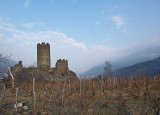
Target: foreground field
(121, 96)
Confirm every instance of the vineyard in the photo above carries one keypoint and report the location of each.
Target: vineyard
(121, 96)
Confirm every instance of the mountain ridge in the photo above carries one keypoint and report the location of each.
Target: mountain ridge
(149, 68)
(136, 57)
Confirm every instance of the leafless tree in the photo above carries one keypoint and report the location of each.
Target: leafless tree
(108, 69)
(6, 60)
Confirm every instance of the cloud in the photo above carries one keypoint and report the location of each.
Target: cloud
(118, 20)
(120, 23)
(16, 41)
(28, 25)
(22, 44)
(32, 24)
(7, 26)
(26, 4)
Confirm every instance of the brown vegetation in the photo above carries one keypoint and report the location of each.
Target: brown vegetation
(121, 96)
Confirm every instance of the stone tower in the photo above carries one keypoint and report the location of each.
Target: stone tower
(43, 55)
(62, 66)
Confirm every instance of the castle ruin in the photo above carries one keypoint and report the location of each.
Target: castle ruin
(43, 71)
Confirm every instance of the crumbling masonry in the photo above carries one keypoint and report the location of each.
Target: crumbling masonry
(43, 71)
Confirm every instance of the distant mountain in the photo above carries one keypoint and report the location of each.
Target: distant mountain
(137, 57)
(3, 63)
(4, 67)
(149, 68)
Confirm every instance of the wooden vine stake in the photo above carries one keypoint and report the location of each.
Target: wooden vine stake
(16, 99)
(34, 94)
(33, 85)
(69, 85)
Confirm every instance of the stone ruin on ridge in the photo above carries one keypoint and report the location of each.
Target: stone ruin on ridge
(43, 71)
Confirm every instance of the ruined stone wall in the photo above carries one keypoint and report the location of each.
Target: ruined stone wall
(62, 66)
(43, 55)
(16, 68)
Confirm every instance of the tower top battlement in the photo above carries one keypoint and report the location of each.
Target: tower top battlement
(62, 60)
(43, 44)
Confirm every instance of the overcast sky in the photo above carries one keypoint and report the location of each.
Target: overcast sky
(86, 32)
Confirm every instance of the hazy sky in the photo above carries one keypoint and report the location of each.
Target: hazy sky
(86, 32)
